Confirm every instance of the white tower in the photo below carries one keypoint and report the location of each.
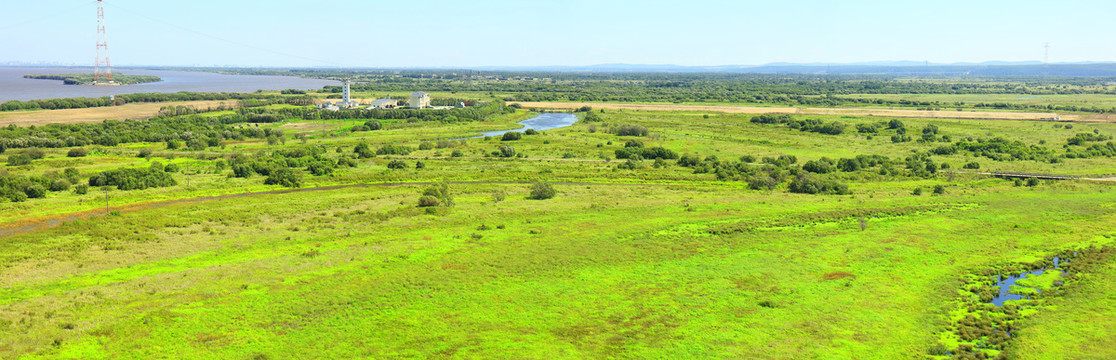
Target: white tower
(345, 94)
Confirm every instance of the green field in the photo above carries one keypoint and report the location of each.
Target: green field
(631, 259)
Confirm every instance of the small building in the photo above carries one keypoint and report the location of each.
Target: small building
(385, 103)
(420, 100)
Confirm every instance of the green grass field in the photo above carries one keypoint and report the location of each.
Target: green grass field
(653, 262)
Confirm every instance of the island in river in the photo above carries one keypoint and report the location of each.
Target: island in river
(87, 78)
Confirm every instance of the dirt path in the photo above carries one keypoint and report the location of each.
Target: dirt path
(47, 222)
(975, 115)
(98, 114)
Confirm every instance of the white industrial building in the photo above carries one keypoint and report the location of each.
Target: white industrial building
(385, 103)
(420, 100)
(346, 99)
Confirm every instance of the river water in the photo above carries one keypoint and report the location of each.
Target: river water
(14, 87)
(544, 121)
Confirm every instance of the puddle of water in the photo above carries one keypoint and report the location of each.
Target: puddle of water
(1006, 285)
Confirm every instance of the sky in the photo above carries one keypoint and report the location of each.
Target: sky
(479, 33)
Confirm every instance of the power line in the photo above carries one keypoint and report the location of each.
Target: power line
(47, 17)
(234, 42)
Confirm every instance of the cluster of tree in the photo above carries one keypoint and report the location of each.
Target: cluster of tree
(473, 113)
(155, 175)
(1001, 149)
(81, 103)
(18, 188)
(283, 167)
(634, 150)
(811, 125)
(1082, 138)
(436, 195)
(206, 130)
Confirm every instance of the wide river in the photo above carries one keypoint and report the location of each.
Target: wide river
(14, 87)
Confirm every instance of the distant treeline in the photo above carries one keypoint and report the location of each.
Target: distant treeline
(81, 103)
(87, 78)
(474, 113)
(783, 89)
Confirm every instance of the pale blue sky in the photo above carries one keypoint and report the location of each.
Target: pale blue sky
(573, 32)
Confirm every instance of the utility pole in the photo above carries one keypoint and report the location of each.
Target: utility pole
(187, 172)
(106, 189)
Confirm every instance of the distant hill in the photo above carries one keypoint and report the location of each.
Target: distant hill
(990, 68)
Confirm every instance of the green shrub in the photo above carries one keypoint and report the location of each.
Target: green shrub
(809, 184)
(35, 191)
(373, 125)
(530, 132)
(972, 165)
(457, 153)
(397, 164)
(511, 136)
(917, 191)
(77, 152)
(427, 201)
(133, 179)
(364, 151)
(1033, 181)
(631, 130)
(420, 165)
(171, 168)
(762, 182)
(426, 145)
(81, 189)
(284, 176)
(939, 189)
(60, 185)
(394, 150)
(18, 160)
(505, 151)
(542, 191)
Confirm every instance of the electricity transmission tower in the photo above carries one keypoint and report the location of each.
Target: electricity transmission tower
(102, 69)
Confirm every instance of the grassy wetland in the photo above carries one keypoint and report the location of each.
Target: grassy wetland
(272, 230)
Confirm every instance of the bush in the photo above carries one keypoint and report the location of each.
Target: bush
(505, 151)
(631, 130)
(631, 164)
(77, 152)
(973, 165)
(939, 189)
(511, 136)
(427, 145)
(171, 168)
(1033, 181)
(530, 132)
(762, 182)
(440, 193)
(133, 179)
(35, 153)
(633, 144)
(284, 176)
(457, 153)
(821, 166)
(364, 151)
(917, 191)
(420, 165)
(145, 153)
(243, 170)
(18, 160)
(373, 125)
(81, 189)
(542, 191)
(173, 144)
(397, 164)
(394, 150)
(499, 195)
(428, 201)
(809, 184)
(35, 191)
(60, 185)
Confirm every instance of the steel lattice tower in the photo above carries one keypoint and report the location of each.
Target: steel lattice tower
(102, 68)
